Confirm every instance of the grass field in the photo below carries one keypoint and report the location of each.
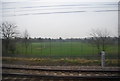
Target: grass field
(65, 49)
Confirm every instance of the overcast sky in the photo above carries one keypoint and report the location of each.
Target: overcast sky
(61, 18)
(63, 0)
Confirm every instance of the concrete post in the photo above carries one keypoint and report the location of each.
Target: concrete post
(102, 59)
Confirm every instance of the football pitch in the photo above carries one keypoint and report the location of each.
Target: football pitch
(65, 49)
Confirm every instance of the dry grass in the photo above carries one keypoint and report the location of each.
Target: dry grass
(60, 61)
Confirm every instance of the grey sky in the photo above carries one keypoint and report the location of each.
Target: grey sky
(64, 18)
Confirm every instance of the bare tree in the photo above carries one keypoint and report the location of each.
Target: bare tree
(8, 32)
(100, 37)
(26, 40)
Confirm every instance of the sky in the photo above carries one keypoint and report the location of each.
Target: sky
(61, 18)
(63, 0)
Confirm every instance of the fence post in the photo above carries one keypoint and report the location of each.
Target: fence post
(102, 59)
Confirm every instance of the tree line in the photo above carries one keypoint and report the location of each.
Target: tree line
(10, 37)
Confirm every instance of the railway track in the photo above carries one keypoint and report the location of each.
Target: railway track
(45, 74)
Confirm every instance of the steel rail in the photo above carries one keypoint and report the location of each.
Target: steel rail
(63, 70)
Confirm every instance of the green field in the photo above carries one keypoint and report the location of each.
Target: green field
(65, 49)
